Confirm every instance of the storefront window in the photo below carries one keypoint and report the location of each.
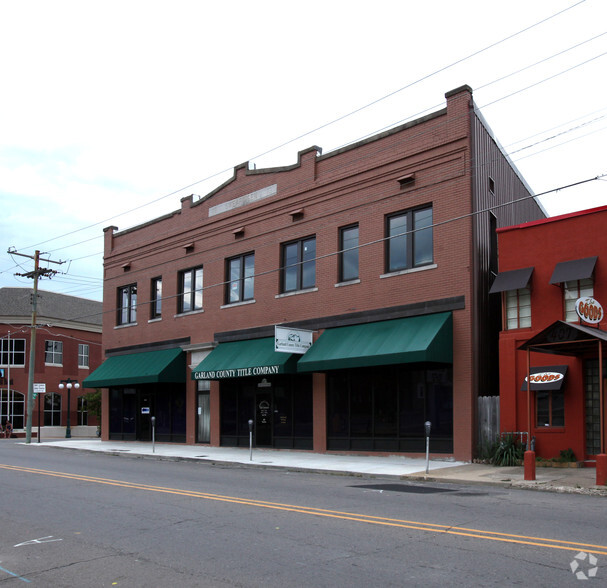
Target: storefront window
(281, 408)
(385, 408)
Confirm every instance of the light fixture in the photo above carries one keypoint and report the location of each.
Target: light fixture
(69, 383)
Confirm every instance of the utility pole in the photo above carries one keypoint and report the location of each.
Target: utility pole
(37, 273)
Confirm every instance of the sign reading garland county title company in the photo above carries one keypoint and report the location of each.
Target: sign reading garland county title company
(288, 340)
(589, 310)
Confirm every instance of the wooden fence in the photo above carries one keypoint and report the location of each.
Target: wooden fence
(488, 422)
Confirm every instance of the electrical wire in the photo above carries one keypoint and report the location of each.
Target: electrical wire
(327, 124)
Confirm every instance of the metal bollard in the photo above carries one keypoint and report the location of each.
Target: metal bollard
(153, 419)
(250, 440)
(427, 427)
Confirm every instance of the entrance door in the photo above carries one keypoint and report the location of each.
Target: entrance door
(146, 411)
(203, 416)
(263, 419)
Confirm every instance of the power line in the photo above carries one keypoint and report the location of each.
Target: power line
(337, 252)
(327, 124)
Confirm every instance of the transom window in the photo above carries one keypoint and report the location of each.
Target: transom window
(190, 290)
(127, 304)
(298, 265)
(53, 352)
(83, 355)
(348, 254)
(518, 308)
(571, 292)
(12, 352)
(409, 239)
(241, 278)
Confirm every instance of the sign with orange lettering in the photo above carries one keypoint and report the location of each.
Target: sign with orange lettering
(589, 310)
(549, 377)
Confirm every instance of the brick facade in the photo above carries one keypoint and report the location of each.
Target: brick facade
(542, 245)
(425, 163)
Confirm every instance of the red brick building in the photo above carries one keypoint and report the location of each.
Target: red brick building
(544, 268)
(382, 249)
(68, 346)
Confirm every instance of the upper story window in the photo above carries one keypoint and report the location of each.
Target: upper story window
(12, 352)
(298, 265)
(127, 304)
(53, 352)
(190, 290)
(518, 308)
(83, 355)
(573, 290)
(156, 298)
(241, 278)
(575, 277)
(348, 253)
(409, 239)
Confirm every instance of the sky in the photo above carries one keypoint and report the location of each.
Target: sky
(111, 112)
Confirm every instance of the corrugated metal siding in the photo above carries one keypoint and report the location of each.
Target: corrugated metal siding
(488, 162)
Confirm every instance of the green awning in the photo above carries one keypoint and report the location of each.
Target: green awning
(406, 340)
(239, 359)
(151, 367)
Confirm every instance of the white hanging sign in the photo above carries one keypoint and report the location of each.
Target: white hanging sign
(289, 340)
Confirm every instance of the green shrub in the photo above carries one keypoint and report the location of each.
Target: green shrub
(567, 455)
(509, 451)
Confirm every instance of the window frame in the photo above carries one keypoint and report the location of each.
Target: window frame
(8, 351)
(82, 413)
(156, 298)
(298, 268)
(583, 287)
(52, 415)
(350, 252)
(519, 317)
(83, 355)
(411, 237)
(244, 281)
(56, 352)
(554, 397)
(127, 313)
(192, 291)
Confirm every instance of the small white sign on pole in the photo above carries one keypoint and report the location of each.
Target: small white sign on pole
(289, 340)
(39, 388)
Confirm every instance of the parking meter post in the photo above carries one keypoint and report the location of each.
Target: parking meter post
(250, 440)
(427, 427)
(153, 419)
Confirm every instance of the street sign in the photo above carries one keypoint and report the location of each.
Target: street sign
(39, 388)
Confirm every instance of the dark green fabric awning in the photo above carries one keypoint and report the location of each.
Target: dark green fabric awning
(166, 365)
(407, 340)
(239, 359)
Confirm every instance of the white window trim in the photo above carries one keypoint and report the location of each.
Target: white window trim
(412, 270)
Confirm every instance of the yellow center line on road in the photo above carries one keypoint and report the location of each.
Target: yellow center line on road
(356, 517)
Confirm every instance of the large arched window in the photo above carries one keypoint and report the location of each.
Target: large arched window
(52, 410)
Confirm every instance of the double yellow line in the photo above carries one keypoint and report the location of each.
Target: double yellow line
(335, 514)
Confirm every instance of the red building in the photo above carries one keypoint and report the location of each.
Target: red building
(68, 347)
(382, 249)
(545, 267)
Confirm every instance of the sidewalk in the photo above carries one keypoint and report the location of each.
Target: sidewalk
(570, 480)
